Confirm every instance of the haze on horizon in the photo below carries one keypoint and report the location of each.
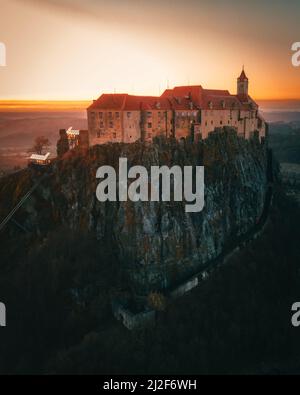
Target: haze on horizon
(78, 49)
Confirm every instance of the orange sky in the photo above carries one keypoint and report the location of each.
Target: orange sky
(76, 50)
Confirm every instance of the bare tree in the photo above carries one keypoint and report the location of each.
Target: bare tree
(40, 144)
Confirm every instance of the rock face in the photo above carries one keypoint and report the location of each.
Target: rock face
(158, 243)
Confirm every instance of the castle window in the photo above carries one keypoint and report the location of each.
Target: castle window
(110, 114)
(111, 124)
(205, 123)
(212, 122)
(101, 115)
(98, 134)
(117, 115)
(101, 124)
(149, 125)
(149, 114)
(128, 114)
(114, 135)
(221, 122)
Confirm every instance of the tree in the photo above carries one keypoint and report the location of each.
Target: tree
(40, 143)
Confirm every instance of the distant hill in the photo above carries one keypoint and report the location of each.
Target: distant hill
(37, 123)
(46, 105)
(284, 139)
(281, 116)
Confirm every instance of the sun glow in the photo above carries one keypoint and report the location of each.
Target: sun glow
(79, 50)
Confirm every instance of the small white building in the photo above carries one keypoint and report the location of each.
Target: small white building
(73, 137)
(41, 160)
(73, 134)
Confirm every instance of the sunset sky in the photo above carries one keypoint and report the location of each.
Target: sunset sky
(78, 49)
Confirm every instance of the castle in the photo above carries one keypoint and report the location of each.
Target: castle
(180, 112)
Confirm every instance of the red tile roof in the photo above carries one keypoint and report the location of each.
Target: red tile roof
(216, 92)
(125, 102)
(178, 98)
(146, 103)
(110, 101)
(191, 93)
(184, 97)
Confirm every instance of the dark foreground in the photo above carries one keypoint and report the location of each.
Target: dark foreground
(239, 321)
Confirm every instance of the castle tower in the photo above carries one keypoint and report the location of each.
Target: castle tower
(242, 84)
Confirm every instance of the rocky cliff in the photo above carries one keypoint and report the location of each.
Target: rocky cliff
(157, 243)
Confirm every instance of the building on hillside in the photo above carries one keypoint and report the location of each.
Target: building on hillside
(78, 138)
(40, 160)
(69, 139)
(180, 112)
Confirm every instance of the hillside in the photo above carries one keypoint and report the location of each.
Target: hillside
(58, 297)
(75, 257)
(285, 141)
(158, 243)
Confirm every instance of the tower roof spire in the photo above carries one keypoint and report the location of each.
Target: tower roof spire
(243, 76)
